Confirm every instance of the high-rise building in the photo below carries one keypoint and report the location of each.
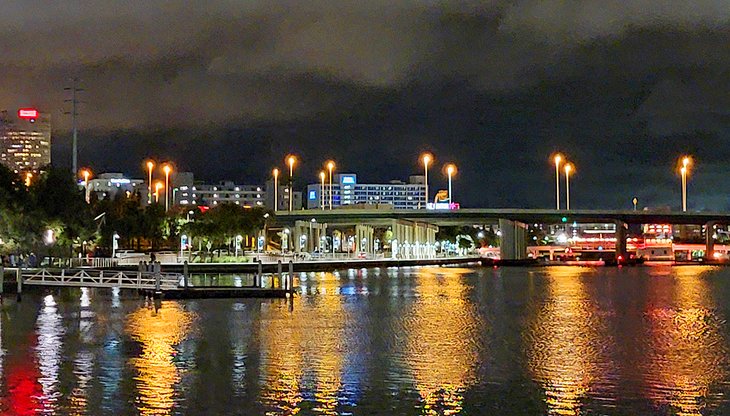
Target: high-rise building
(25, 140)
(347, 191)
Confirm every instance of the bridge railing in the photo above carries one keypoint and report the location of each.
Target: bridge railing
(102, 278)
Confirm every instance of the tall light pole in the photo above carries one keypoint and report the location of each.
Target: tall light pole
(150, 166)
(290, 161)
(558, 158)
(74, 88)
(568, 168)
(86, 173)
(167, 169)
(426, 160)
(158, 186)
(450, 171)
(321, 189)
(275, 172)
(330, 168)
(684, 170)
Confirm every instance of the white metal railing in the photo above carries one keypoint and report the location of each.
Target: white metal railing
(102, 278)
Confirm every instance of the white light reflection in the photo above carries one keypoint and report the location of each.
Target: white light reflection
(50, 331)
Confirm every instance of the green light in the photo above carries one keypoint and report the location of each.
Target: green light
(564, 219)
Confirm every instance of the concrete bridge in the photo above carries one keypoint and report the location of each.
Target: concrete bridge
(512, 222)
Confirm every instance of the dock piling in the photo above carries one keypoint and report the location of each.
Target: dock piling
(290, 283)
(19, 278)
(185, 274)
(279, 270)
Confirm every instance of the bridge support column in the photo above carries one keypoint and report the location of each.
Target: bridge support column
(621, 231)
(710, 241)
(364, 235)
(513, 241)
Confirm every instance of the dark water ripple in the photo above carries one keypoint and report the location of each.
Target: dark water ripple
(434, 341)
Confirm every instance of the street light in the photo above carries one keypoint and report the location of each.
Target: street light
(330, 168)
(557, 158)
(86, 173)
(568, 169)
(291, 160)
(426, 158)
(28, 179)
(275, 172)
(167, 169)
(450, 171)
(158, 185)
(150, 166)
(684, 171)
(321, 189)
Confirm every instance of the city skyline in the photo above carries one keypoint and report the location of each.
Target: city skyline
(495, 88)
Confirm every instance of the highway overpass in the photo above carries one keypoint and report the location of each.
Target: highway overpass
(409, 224)
(487, 215)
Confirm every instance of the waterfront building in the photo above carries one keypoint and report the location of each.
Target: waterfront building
(25, 140)
(347, 191)
(110, 185)
(282, 196)
(189, 192)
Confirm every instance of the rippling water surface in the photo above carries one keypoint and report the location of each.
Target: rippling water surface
(559, 340)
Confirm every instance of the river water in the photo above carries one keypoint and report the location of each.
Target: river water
(557, 340)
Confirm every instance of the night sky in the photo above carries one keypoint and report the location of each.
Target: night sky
(227, 88)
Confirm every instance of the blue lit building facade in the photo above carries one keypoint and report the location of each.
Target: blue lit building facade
(347, 191)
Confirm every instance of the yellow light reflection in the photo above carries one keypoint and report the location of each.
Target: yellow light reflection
(443, 331)
(282, 362)
(561, 356)
(292, 341)
(159, 333)
(687, 350)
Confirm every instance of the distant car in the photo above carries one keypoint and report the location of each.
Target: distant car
(362, 255)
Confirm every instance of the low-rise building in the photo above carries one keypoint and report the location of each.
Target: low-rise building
(110, 185)
(347, 191)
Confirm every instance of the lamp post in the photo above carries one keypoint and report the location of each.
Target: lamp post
(275, 172)
(635, 201)
(426, 160)
(86, 173)
(684, 171)
(568, 169)
(330, 168)
(557, 158)
(290, 161)
(321, 189)
(167, 169)
(450, 171)
(158, 186)
(150, 166)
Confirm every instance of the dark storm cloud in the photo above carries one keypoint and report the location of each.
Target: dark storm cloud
(622, 84)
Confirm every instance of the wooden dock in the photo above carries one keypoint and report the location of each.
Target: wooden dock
(152, 283)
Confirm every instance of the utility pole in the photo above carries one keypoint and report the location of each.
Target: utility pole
(74, 88)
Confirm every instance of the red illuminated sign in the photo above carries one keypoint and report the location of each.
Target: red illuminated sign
(28, 113)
